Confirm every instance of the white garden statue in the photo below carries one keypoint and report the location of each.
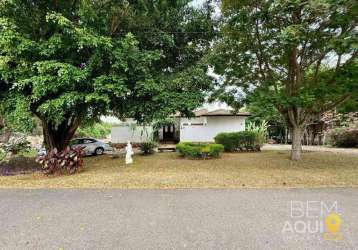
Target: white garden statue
(129, 153)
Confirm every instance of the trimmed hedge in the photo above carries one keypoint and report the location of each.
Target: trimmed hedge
(199, 150)
(344, 137)
(243, 140)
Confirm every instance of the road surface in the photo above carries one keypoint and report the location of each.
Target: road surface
(176, 219)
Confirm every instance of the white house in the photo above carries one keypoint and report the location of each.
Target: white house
(203, 127)
(206, 125)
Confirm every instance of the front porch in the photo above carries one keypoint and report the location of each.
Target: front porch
(169, 133)
(168, 137)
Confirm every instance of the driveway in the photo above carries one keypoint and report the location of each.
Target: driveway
(350, 151)
(176, 219)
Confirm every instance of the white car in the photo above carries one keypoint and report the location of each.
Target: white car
(91, 146)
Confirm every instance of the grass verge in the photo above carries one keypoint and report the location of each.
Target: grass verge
(268, 169)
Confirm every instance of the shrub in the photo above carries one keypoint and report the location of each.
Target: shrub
(260, 131)
(148, 147)
(67, 161)
(213, 150)
(344, 137)
(238, 140)
(198, 150)
(14, 146)
(228, 140)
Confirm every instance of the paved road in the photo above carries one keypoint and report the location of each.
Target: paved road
(172, 219)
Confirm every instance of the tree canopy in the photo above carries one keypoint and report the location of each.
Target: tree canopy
(301, 55)
(68, 62)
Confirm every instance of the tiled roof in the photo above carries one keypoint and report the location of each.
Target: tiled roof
(200, 112)
(219, 112)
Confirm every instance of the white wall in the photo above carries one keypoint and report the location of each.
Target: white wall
(214, 125)
(122, 134)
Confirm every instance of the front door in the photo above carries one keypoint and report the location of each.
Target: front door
(168, 132)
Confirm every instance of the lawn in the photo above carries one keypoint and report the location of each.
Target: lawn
(237, 170)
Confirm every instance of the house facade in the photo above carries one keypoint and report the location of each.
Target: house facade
(203, 127)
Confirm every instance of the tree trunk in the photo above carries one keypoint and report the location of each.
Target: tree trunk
(6, 132)
(58, 136)
(296, 143)
(5, 137)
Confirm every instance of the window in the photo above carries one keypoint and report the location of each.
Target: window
(193, 124)
(88, 141)
(75, 142)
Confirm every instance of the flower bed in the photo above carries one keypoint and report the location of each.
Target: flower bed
(199, 150)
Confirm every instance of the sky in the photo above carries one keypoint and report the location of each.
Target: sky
(198, 2)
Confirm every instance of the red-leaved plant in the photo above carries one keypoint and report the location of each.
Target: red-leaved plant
(68, 161)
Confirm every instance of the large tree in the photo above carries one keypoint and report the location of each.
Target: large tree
(301, 55)
(68, 62)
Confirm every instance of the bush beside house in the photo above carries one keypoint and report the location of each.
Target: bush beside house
(199, 150)
(147, 148)
(243, 140)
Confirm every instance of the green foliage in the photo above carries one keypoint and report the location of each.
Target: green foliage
(262, 109)
(343, 137)
(238, 140)
(300, 55)
(163, 122)
(199, 150)
(71, 63)
(97, 130)
(262, 43)
(16, 114)
(229, 140)
(260, 131)
(349, 106)
(148, 147)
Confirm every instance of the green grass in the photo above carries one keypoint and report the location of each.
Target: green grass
(268, 169)
(30, 153)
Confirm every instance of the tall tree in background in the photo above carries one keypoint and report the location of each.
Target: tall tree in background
(262, 110)
(301, 55)
(69, 62)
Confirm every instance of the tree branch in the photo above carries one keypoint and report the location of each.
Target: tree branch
(336, 103)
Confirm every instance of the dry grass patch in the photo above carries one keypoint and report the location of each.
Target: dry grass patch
(168, 170)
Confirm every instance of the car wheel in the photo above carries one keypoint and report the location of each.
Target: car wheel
(99, 151)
